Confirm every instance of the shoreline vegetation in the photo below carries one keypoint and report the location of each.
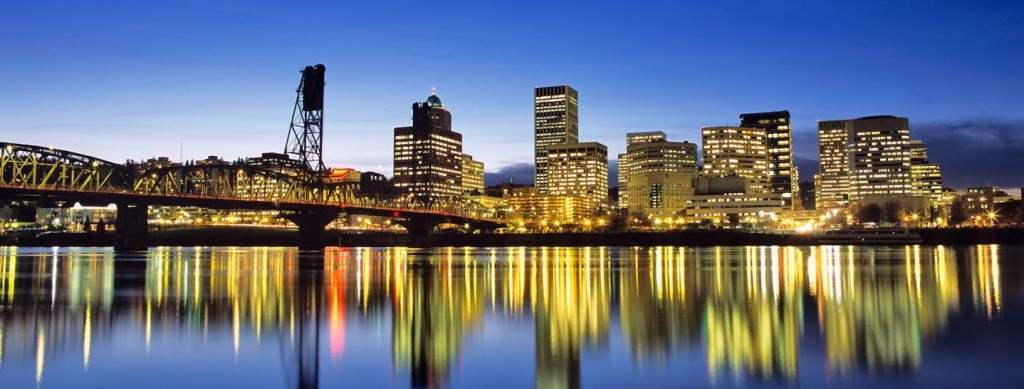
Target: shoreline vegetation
(249, 236)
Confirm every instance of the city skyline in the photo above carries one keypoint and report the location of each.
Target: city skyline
(113, 81)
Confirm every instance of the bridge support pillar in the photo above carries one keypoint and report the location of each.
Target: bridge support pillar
(419, 231)
(132, 226)
(311, 226)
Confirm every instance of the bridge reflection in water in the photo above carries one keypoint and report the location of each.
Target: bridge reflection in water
(228, 314)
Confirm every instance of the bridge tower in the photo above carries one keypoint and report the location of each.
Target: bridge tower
(305, 135)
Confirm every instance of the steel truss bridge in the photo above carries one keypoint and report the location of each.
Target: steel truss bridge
(45, 175)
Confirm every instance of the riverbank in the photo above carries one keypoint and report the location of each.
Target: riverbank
(262, 236)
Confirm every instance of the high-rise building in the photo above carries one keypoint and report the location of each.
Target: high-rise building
(833, 180)
(780, 152)
(807, 194)
(658, 175)
(472, 175)
(623, 171)
(738, 151)
(871, 160)
(879, 157)
(428, 155)
(581, 170)
(555, 121)
(926, 178)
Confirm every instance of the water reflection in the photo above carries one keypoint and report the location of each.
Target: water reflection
(750, 311)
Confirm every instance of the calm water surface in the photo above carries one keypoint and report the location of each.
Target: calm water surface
(513, 317)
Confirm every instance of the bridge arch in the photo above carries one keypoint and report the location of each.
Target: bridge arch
(238, 182)
(41, 167)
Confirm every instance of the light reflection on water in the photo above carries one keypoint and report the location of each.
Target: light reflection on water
(549, 317)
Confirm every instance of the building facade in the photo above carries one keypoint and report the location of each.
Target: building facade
(428, 155)
(781, 170)
(472, 175)
(719, 199)
(738, 151)
(537, 210)
(555, 121)
(872, 160)
(623, 159)
(833, 181)
(926, 178)
(658, 174)
(879, 158)
(979, 200)
(580, 169)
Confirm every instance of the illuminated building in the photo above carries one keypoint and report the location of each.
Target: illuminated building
(926, 177)
(655, 175)
(428, 155)
(783, 178)
(278, 162)
(472, 175)
(737, 151)
(555, 121)
(493, 207)
(718, 198)
(833, 180)
(631, 139)
(980, 199)
(343, 175)
(580, 169)
(158, 163)
(212, 160)
(870, 160)
(263, 186)
(528, 205)
(879, 157)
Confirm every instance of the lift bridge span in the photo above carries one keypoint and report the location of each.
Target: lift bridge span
(45, 175)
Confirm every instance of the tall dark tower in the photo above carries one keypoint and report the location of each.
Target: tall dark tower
(428, 155)
(783, 173)
(305, 137)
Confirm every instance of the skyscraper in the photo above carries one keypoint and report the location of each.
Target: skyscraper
(871, 159)
(580, 170)
(780, 152)
(632, 138)
(658, 174)
(555, 121)
(737, 151)
(472, 175)
(833, 182)
(925, 176)
(879, 157)
(428, 155)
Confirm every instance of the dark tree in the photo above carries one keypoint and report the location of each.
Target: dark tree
(619, 221)
(891, 212)
(639, 219)
(1012, 211)
(870, 213)
(734, 219)
(957, 213)
(933, 214)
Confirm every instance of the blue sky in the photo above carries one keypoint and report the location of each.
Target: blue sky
(132, 80)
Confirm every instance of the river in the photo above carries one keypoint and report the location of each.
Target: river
(830, 316)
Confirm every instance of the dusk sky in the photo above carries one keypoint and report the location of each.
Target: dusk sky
(133, 80)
